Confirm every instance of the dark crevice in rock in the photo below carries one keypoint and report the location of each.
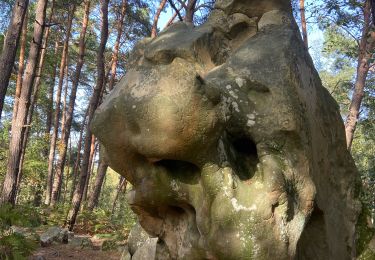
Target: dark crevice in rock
(246, 155)
(182, 171)
(313, 241)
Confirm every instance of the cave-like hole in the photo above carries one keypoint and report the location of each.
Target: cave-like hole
(183, 171)
(313, 241)
(245, 156)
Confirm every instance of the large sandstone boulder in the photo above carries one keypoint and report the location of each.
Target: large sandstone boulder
(54, 234)
(234, 148)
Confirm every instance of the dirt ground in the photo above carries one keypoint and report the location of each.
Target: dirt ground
(67, 251)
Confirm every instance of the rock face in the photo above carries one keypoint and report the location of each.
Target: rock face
(232, 145)
(136, 238)
(54, 234)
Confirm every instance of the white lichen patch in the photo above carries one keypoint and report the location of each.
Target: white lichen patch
(258, 185)
(240, 82)
(228, 87)
(237, 207)
(251, 116)
(134, 106)
(175, 186)
(250, 123)
(235, 106)
(231, 92)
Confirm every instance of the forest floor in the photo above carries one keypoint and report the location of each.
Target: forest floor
(69, 251)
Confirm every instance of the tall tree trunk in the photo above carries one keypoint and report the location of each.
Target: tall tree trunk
(64, 104)
(10, 181)
(65, 134)
(122, 183)
(51, 89)
(78, 158)
(21, 66)
(90, 171)
(52, 148)
(116, 48)
(68, 171)
(103, 166)
(190, 10)
(303, 22)
(365, 52)
(102, 170)
(154, 30)
(11, 41)
(94, 100)
(34, 96)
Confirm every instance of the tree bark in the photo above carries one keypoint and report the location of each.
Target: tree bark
(122, 183)
(51, 155)
(154, 30)
(94, 100)
(65, 134)
(68, 171)
(365, 52)
(10, 180)
(78, 158)
(11, 41)
(34, 97)
(116, 48)
(303, 22)
(51, 90)
(21, 67)
(93, 150)
(190, 10)
(102, 170)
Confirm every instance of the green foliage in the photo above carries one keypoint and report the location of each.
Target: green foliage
(22, 215)
(338, 42)
(15, 247)
(102, 222)
(365, 233)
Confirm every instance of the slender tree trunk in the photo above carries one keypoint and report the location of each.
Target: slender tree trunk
(51, 89)
(91, 168)
(177, 11)
(11, 41)
(57, 110)
(94, 198)
(102, 170)
(20, 67)
(10, 181)
(154, 30)
(64, 104)
(122, 183)
(65, 134)
(303, 22)
(34, 97)
(116, 48)
(94, 100)
(103, 166)
(68, 171)
(78, 158)
(365, 52)
(190, 10)
(18, 88)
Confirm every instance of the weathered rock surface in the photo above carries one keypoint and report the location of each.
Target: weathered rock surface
(81, 242)
(56, 234)
(234, 148)
(137, 237)
(125, 254)
(147, 250)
